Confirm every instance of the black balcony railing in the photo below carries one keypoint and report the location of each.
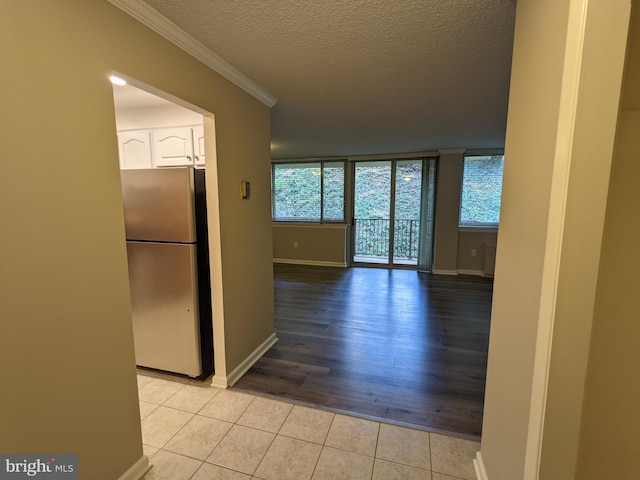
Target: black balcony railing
(405, 240)
(372, 238)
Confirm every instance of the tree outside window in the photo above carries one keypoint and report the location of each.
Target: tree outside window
(481, 190)
(308, 192)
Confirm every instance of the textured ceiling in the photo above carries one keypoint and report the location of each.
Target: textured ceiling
(366, 76)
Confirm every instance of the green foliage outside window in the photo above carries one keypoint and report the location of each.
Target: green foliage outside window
(481, 190)
(308, 192)
(333, 192)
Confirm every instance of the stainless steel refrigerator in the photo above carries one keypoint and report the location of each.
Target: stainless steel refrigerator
(167, 248)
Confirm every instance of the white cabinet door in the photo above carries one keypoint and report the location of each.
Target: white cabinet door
(172, 147)
(198, 145)
(135, 150)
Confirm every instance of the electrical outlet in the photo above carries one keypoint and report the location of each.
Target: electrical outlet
(473, 252)
(295, 244)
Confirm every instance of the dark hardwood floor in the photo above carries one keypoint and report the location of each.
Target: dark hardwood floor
(397, 345)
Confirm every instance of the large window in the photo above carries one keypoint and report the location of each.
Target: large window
(308, 192)
(481, 190)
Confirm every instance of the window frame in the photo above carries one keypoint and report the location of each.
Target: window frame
(478, 226)
(321, 219)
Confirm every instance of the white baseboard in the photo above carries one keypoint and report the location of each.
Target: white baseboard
(317, 263)
(478, 464)
(225, 381)
(470, 272)
(219, 381)
(445, 272)
(137, 470)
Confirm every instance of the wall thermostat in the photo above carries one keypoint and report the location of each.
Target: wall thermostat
(245, 189)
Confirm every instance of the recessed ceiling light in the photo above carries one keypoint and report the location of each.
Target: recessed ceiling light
(117, 80)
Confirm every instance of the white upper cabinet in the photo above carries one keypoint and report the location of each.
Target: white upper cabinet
(156, 132)
(135, 149)
(173, 147)
(162, 147)
(198, 145)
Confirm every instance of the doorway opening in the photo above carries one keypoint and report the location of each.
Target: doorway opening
(167, 222)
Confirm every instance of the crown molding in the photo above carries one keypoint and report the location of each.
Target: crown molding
(151, 18)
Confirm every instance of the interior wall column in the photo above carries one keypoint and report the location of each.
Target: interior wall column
(448, 189)
(563, 108)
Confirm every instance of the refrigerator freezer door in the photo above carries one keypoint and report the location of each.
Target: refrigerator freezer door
(158, 204)
(164, 306)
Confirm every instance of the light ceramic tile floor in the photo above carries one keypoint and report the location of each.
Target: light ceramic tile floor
(192, 431)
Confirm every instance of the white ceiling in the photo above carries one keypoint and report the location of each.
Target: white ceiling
(126, 97)
(366, 76)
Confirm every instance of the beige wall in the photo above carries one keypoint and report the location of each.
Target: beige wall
(66, 349)
(447, 216)
(470, 240)
(532, 120)
(312, 244)
(243, 145)
(591, 136)
(562, 115)
(609, 446)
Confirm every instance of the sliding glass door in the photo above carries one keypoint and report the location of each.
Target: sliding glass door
(393, 212)
(372, 212)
